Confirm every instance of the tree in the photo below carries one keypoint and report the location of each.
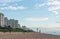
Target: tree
(9, 28)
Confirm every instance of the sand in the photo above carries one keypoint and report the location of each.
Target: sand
(27, 35)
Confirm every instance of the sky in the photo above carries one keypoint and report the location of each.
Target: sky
(33, 13)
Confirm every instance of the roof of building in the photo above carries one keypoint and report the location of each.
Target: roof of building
(1, 14)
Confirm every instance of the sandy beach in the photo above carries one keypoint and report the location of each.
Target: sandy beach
(27, 35)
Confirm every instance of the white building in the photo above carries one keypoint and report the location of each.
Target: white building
(25, 28)
(19, 26)
(13, 23)
(1, 20)
(6, 21)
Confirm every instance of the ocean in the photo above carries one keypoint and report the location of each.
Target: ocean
(48, 31)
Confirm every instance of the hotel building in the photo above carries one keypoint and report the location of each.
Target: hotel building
(1, 20)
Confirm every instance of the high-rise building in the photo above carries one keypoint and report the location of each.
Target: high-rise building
(16, 23)
(13, 23)
(19, 26)
(6, 21)
(1, 20)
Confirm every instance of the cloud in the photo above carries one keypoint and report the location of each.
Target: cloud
(36, 19)
(54, 6)
(3, 4)
(53, 2)
(6, 1)
(53, 9)
(55, 12)
(37, 6)
(13, 8)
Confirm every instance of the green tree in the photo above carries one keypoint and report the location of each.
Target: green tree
(9, 28)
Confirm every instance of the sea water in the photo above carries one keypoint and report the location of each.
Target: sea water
(47, 31)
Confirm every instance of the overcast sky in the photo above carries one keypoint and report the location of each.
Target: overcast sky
(33, 13)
